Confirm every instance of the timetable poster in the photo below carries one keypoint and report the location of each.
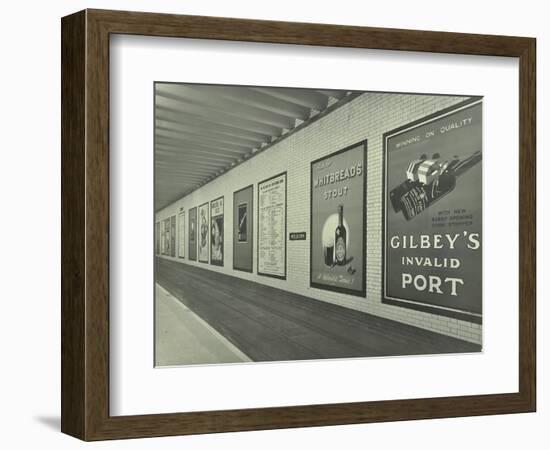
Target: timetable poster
(272, 226)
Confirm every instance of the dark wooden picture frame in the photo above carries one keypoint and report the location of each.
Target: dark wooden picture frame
(85, 224)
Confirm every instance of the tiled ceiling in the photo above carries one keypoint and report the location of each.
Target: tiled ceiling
(201, 131)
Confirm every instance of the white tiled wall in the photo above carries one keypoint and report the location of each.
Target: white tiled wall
(368, 116)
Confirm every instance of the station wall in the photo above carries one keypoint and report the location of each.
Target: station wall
(366, 117)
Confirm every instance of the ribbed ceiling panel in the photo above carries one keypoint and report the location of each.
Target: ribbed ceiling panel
(201, 131)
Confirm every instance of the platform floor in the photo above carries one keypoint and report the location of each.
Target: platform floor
(182, 337)
(269, 324)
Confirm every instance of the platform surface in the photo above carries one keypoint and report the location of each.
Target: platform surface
(269, 324)
(183, 338)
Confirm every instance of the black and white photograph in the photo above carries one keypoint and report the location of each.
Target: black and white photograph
(336, 224)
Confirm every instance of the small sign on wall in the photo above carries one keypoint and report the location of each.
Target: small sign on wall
(297, 236)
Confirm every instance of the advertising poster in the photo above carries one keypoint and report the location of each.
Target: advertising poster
(242, 229)
(203, 230)
(162, 239)
(166, 237)
(338, 221)
(192, 237)
(216, 231)
(157, 238)
(433, 213)
(173, 236)
(181, 233)
(272, 226)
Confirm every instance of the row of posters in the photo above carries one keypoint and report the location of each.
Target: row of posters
(205, 239)
(432, 218)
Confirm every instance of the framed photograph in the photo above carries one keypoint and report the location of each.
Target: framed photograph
(372, 224)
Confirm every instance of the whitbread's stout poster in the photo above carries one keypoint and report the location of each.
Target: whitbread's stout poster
(216, 231)
(272, 226)
(433, 214)
(338, 221)
(203, 229)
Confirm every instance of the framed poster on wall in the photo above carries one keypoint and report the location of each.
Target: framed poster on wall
(338, 221)
(272, 226)
(203, 229)
(192, 238)
(167, 240)
(173, 236)
(242, 229)
(433, 213)
(216, 231)
(181, 233)
(161, 237)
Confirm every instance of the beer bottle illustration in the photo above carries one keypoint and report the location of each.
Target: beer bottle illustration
(340, 239)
